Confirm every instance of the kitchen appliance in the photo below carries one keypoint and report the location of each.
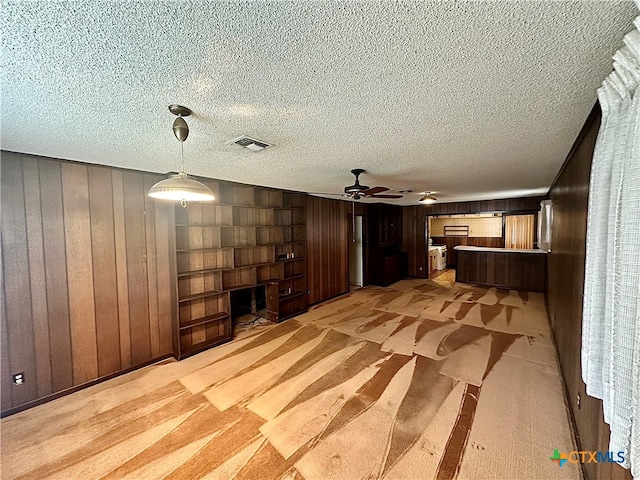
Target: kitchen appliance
(441, 250)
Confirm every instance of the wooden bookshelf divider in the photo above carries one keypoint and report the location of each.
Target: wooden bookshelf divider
(251, 236)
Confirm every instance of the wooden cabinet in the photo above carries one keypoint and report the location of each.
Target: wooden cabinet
(251, 237)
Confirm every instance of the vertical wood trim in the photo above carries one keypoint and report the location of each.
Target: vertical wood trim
(5, 382)
(309, 249)
(37, 280)
(122, 279)
(56, 274)
(152, 274)
(104, 270)
(17, 289)
(77, 227)
(137, 267)
(165, 268)
(344, 235)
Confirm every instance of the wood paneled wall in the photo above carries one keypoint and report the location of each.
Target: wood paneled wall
(87, 275)
(327, 248)
(413, 241)
(523, 204)
(565, 284)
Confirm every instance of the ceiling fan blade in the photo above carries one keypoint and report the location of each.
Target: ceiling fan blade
(374, 190)
(384, 196)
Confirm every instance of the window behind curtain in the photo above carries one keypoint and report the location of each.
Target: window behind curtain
(518, 231)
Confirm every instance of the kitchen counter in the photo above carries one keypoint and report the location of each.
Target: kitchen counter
(519, 269)
(499, 250)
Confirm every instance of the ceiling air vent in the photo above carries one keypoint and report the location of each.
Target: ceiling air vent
(251, 143)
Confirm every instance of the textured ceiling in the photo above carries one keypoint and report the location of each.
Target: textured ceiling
(473, 100)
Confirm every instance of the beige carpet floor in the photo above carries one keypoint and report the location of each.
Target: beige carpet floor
(426, 379)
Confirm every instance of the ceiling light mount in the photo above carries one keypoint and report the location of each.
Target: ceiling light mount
(180, 187)
(356, 188)
(179, 110)
(428, 199)
(180, 127)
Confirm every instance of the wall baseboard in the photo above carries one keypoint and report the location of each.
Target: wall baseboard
(76, 388)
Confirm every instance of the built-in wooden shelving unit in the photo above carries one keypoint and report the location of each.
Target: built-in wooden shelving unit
(250, 237)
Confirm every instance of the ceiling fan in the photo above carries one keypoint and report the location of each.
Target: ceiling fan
(357, 191)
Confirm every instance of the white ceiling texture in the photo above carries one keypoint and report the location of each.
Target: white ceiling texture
(472, 100)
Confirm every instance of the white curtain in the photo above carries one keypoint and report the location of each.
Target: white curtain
(545, 225)
(611, 314)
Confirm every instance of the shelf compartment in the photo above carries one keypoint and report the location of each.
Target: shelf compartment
(195, 237)
(236, 194)
(204, 214)
(294, 277)
(247, 256)
(294, 233)
(271, 272)
(282, 217)
(190, 349)
(268, 198)
(197, 308)
(252, 216)
(298, 216)
(238, 236)
(239, 277)
(290, 251)
(199, 337)
(191, 261)
(198, 295)
(290, 296)
(293, 268)
(294, 200)
(196, 285)
(269, 235)
(198, 272)
(279, 308)
(204, 320)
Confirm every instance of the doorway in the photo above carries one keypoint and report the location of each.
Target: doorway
(356, 254)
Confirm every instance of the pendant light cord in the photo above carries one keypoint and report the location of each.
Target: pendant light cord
(182, 157)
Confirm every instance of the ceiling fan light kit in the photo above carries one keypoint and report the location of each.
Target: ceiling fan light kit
(428, 199)
(181, 188)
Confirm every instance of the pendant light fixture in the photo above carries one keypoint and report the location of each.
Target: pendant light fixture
(180, 187)
(428, 199)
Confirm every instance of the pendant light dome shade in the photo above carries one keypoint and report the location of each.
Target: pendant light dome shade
(181, 188)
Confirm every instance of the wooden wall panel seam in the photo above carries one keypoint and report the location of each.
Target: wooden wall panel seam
(77, 224)
(122, 279)
(55, 257)
(37, 275)
(136, 268)
(17, 289)
(104, 270)
(152, 274)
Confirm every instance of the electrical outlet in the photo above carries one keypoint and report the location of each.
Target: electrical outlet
(18, 378)
(420, 268)
(578, 401)
(308, 292)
